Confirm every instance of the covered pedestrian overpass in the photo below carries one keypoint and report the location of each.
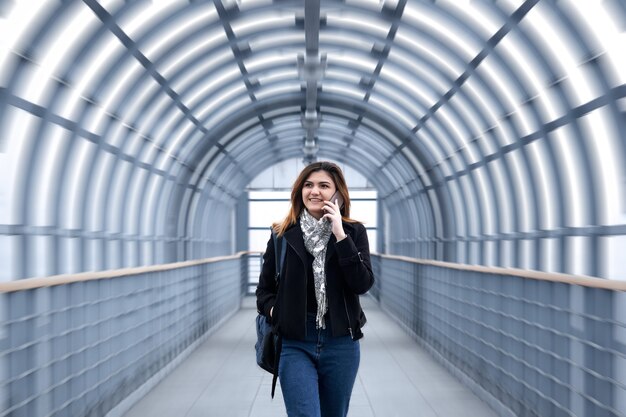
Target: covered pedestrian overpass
(491, 132)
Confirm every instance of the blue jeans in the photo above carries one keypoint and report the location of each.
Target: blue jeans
(317, 375)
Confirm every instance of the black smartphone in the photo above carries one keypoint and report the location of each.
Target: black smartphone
(339, 199)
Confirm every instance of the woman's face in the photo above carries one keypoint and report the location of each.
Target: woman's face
(319, 186)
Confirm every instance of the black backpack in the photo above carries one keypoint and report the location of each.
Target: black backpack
(268, 340)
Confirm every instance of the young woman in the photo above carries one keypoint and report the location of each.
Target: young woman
(315, 305)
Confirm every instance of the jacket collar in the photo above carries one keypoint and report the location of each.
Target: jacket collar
(294, 238)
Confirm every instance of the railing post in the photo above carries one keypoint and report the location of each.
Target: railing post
(41, 334)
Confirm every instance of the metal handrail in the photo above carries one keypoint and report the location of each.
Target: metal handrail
(112, 337)
(528, 342)
(584, 280)
(49, 281)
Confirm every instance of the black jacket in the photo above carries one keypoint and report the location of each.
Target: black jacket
(348, 274)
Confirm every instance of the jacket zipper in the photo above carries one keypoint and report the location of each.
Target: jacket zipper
(305, 284)
(306, 311)
(345, 304)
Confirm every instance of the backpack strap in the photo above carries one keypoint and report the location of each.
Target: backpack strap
(280, 247)
(279, 348)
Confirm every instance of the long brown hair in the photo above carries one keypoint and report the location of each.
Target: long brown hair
(296, 194)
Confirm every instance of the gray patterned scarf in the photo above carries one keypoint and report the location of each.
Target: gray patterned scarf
(316, 234)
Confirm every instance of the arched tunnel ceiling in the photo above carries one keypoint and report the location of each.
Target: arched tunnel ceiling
(175, 73)
(497, 114)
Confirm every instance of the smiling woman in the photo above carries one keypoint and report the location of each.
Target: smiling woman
(327, 266)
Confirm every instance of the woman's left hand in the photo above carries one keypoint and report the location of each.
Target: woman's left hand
(333, 215)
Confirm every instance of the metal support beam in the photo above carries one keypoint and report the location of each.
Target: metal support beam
(311, 69)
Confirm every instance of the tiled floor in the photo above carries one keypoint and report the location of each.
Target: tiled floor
(396, 378)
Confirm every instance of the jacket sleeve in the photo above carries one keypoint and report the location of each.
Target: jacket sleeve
(354, 260)
(266, 289)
